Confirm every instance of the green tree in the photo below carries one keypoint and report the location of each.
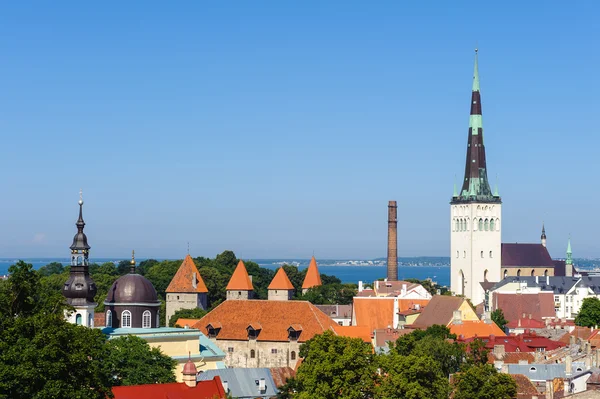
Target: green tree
(51, 268)
(498, 318)
(484, 382)
(336, 293)
(123, 267)
(335, 367)
(107, 268)
(160, 275)
(131, 361)
(589, 314)
(477, 354)
(145, 265)
(411, 377)
(195, 313)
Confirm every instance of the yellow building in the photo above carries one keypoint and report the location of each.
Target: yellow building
(180, 344)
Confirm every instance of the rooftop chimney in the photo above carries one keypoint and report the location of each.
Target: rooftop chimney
(568, 365)
(392, 256)
(360, 286)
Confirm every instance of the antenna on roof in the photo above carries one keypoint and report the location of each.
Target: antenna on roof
(188, 247)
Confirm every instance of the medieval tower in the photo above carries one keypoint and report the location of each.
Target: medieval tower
(392, 255)
(475, 216)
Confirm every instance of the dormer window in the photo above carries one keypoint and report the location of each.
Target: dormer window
(213, 329)
(253, 330)
(294, 332)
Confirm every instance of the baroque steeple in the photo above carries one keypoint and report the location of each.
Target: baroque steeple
(80, 289)
(569, 260)
(476, 186)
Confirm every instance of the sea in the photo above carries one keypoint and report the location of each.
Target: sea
(347, 270)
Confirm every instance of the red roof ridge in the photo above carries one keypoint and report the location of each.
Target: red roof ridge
(281, 281)
(312, 278)
(240, 279)
(183, 281)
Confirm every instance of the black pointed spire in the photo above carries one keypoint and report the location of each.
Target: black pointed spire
(80, 240)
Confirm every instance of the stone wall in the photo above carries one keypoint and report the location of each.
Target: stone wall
(280, 295)
(177, 301)
(239, 353)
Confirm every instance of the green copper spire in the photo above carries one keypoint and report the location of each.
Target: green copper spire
(569, 260)
(476, 74)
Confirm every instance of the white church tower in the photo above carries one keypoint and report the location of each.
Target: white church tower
(475, 216)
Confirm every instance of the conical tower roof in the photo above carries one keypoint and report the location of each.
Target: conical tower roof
(281, 281)
(313, 278)
(239, 279)
(187, 278)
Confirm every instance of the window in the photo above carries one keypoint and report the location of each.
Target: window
(293, 355)
(230, 349)
(293, 335)
(252, 333)
(90, 320)
(492, 227)
(126, 319)
(78, 319)
(341, 323)
(146, 319)
(273, 351)
(480, 224)
(490, 254)
(487, 225)
(519, 273)
(556, 298)
(505, 273)
(108, 318)
(456, 228)
(546, 273)
(482, 254)
(532, 272)
(457, 255)
(252, 354)
(540, 349)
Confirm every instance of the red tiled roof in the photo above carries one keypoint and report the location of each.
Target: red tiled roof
(385, 335)
(211, 389)
(514, 306)
(439, 310)
(519, 343)
(512, 357)
(524, 385)
(186, 322)
(240, 279)
(379, 312)
(275, 317)
(313, 278)
(281, 375)
(583, 333)
(281, 281)
(468, 329)
(526, 323)
(526, 255)
(361, 332)
(183, 281)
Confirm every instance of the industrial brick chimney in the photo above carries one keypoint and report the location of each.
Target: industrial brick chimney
(392, 255)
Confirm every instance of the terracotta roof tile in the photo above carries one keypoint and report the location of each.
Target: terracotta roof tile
(514, 306)
(211, 389)
(313, 278)
(526, 323)
(385, 335)
(524, 385)
(511, 357)
(440, 310)
(361, 332)
(518, 343)
(187, 278)
(186, 322)
(583, 333)
(281, 375)
(470, 329)
(240, 279)
(378, 312)
(275, 317)
(281, 281)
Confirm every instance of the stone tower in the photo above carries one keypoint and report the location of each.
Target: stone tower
(80, 289)
(392, 255)
(240, 284)
(281, 288)
(475, 216)
(186, 290)
(313, 277)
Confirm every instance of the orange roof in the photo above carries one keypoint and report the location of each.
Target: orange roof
(211, 389)
(470, 329)
(187, 278)
(186, 322)
(378, 312)
(361, 332)
(274, 317)
(240, 279)
(281, 281)
(313, 278)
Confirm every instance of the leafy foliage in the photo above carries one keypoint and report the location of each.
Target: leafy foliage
(498, 318)
(589, 314)
(484, 382)
(195, 313)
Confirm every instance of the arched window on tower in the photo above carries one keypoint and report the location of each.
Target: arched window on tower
(492, 225)
(519, 273)
(293, 355)
(532, 272)
(497, 224)
(108, 318)
(482, 254)
(126, 319)
(78, 319)
(546, 273)
(146, 319)
(485, 275)
(480, 224)
(456, 228)
(487, 225)
(252, 354)
(505, 273)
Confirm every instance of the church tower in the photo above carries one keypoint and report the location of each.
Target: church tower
(80, 289)
(475, 216)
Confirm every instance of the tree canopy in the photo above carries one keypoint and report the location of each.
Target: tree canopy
(498, 318)
(484, 382)
(589, 314)
(195, 313)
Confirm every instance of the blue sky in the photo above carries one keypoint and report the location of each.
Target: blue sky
(281, 128)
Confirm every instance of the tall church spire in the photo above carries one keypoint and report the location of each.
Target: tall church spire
(476, 186)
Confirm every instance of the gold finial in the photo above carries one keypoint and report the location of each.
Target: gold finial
(80, 196)
(133, 258)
